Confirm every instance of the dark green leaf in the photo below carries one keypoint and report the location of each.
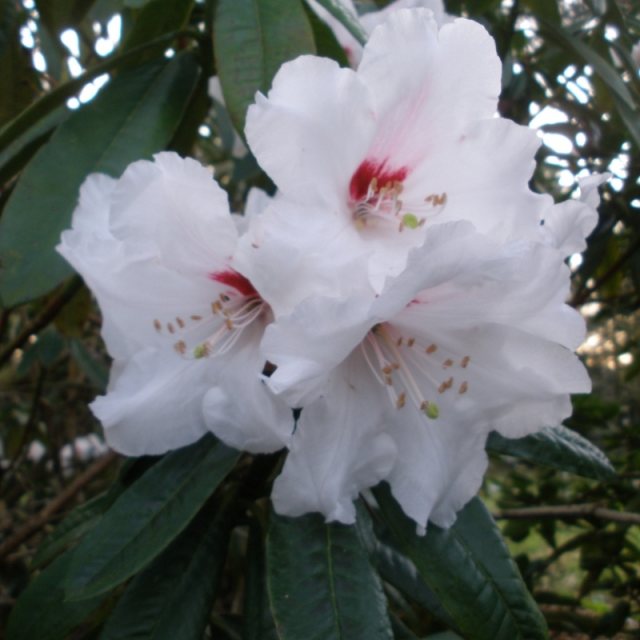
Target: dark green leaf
(321, 584)
(14, 156)
(252, 39)
(42, 613)
(348, 20)
(148, 516)
(557, 447)
(172, 598)
(257, 621)
(326, 43)
(18, 82)
(57, 15)
(610, 76)
(156, 18)
(106, 135)
(470, 570)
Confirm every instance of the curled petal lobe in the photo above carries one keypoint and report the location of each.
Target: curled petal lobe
(153, 403)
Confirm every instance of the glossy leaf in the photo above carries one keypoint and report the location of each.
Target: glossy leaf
(257, 621)
(252, 39)
(321, 584)
(148, 516)
(18, 82)
(341, 13)
(41, 610)
(105, 136)
(556, 447)
(172, 598)
(156, 18)
(470, 570)
(610, 76)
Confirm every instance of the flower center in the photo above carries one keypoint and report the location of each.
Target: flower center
(374, 193)
(233, 311)
(374, 196)
(395, 360)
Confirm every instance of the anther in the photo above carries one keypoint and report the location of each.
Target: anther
(400, 402)
(216, 307)
(180, 347)
(157, 325)
(430, 409)
(171, 328)
(196, 318)
(463, 388)
(432, 348)
(447, 363)
(465, 362)
(201, 351)
(411, 342)
(229, 323)
(180, 322)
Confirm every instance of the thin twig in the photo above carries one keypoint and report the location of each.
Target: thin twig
(51, 310)
(569, 511)
(40, 519)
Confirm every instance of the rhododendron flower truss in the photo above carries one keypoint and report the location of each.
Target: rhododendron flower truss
(473, 336)
(182, 325)
(378, 155)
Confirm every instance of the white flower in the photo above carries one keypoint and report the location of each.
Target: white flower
(473, 336)
(368, 160)
(370, 20)
(182, 324)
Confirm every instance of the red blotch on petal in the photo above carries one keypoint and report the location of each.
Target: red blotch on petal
(235, 280)
(369, 169)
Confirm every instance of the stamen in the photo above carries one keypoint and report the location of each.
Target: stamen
(463, 388)
(464, 363)
(432, 348)
(157, 325)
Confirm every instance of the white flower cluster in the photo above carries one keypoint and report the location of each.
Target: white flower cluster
(404, 288)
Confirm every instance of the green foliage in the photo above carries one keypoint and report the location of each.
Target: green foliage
(321, 584)
(252, 38)
(469, 569)
(147, 517)
(186, 546)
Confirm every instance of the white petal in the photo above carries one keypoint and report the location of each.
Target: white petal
(146, 245)
(372, 19)
(494, 195)
(154, 403)
(312, 130)
(291, 252)
(568, 224)
(240, 409)
(172, 207)
(339, 448)
(439, 466)
(426, 83)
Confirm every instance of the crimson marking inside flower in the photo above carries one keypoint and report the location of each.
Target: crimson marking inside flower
(234, 310)
(374, 192)
(370, 170)
(236, 281)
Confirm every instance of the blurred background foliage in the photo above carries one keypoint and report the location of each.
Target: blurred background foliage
(570, 70)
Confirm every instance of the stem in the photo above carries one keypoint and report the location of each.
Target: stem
(570, 511)
(38, 521)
